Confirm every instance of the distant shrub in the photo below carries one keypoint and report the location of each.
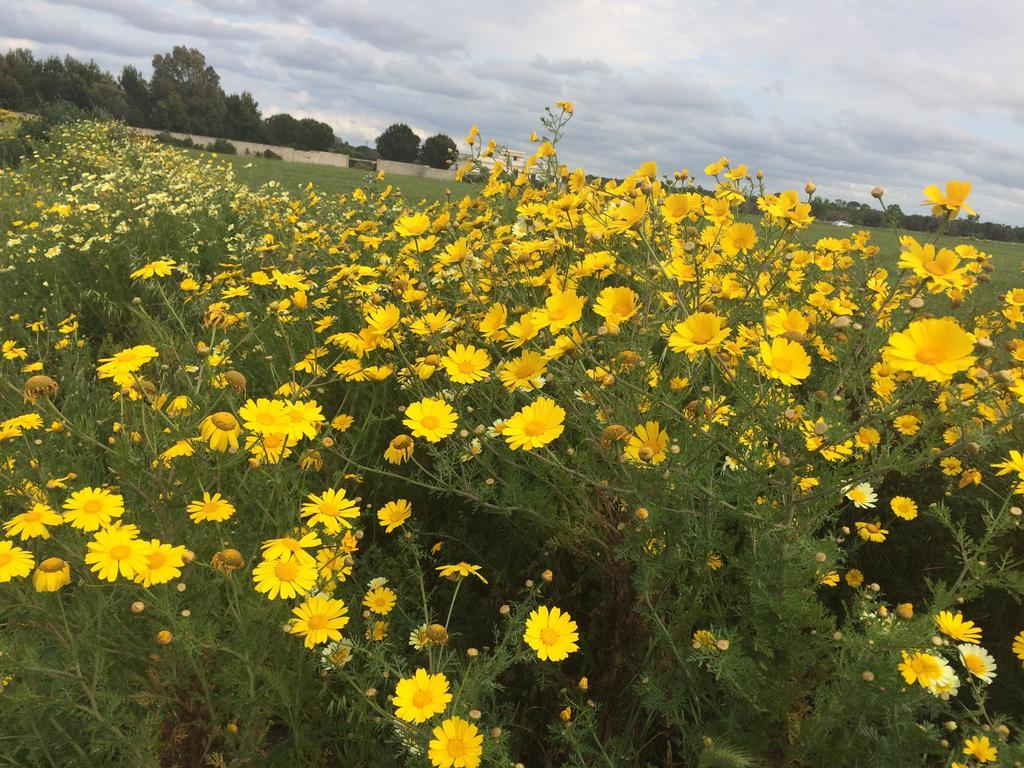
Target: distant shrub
(223, 147)
(270, 154)
(358, 162)
(12, 150)
(166, 138)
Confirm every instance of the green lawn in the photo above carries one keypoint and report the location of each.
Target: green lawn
(1006, 257)
(256, 171)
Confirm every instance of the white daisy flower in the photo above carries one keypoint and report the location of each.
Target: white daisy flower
(977, 661)
(863, 496)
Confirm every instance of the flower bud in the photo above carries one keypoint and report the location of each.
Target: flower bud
(236, 380)
(227, 560)
(39, 386)
(437, 635)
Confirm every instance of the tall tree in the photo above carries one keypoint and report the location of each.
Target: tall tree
(136, 92)
(18, 73)
(398, 142)
(242, 118)
(186, 93)
(82, 78)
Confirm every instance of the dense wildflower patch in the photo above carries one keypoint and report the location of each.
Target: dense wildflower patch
(570, 471)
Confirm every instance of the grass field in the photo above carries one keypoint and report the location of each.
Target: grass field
(1006, 257)
(256, 171)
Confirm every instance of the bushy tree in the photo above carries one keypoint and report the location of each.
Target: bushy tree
(313, 134)
(106, 97)
(281, 129)
(306, 133)
(439, 151)
(398, 142)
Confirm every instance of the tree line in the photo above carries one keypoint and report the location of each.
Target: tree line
(865, 215)
(184, 94)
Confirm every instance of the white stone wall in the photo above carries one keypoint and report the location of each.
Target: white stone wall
(253, 148)
(413, 169)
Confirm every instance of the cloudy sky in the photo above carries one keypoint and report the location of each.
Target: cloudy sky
(902, 93)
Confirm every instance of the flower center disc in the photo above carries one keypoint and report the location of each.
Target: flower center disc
(929, 355)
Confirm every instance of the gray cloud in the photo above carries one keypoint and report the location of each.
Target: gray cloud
(154, 18)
